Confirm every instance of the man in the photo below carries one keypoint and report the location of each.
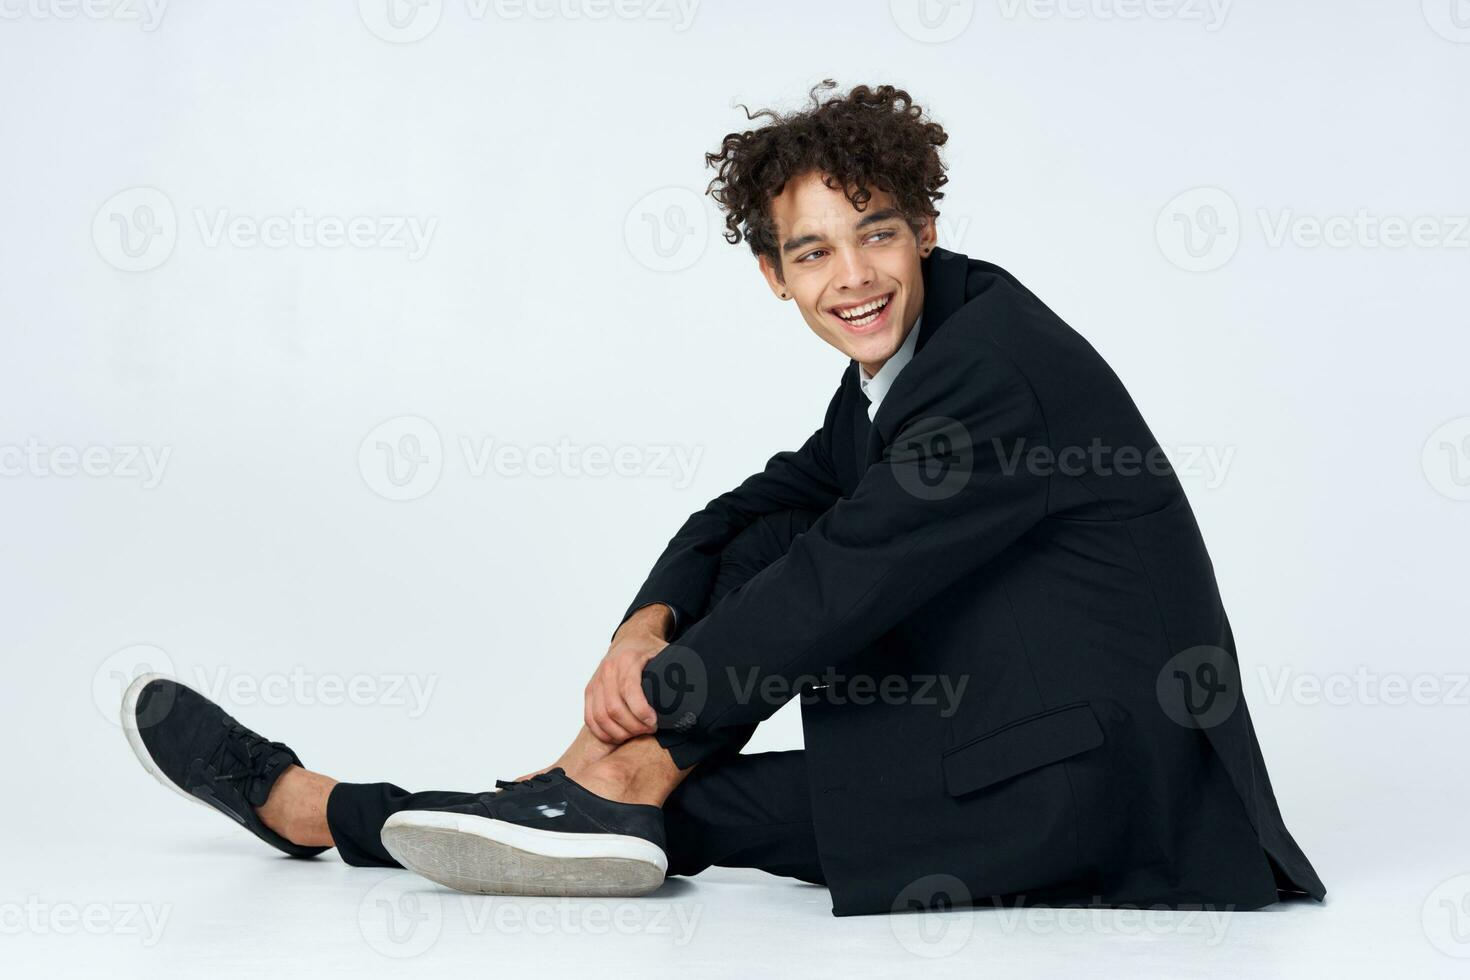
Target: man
(979, 575)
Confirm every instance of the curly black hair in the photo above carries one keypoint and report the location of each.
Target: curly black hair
(872, 137)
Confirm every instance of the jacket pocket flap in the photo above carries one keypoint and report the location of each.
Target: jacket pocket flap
(1025, 744)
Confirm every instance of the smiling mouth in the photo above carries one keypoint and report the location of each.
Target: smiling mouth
(864, 314)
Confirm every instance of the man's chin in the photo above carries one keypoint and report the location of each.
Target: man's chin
(872, 349)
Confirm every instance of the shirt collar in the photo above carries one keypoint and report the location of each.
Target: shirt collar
(877, 386)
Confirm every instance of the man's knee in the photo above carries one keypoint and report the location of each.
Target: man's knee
(764, 540)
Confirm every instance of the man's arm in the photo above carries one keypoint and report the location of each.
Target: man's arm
(950, 492)
(684, 574)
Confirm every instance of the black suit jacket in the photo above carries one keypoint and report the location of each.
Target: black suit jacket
(1006, 522)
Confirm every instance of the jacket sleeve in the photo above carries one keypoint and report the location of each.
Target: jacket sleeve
(684, 574)
(949, 492)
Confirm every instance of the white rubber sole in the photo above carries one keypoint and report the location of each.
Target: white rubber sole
(129, 718)
(492, 857)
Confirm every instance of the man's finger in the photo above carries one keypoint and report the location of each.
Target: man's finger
(639, 706)
(633, 697)
(608, 718)
(622, 715)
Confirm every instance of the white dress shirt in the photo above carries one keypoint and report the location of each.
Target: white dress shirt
(877, 386)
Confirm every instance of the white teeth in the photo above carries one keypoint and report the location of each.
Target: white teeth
(861, 316)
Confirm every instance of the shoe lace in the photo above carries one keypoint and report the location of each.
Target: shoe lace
(540, 779)
(242, 755)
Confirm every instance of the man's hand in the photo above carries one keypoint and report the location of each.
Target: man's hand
(614, 707)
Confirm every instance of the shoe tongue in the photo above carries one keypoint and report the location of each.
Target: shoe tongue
(260, 787)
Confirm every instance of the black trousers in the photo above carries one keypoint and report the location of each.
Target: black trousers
(734, 810)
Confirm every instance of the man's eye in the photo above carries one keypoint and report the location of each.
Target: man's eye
(812, 254)
(883, 235)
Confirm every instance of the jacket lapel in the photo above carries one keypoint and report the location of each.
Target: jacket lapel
(945, 273)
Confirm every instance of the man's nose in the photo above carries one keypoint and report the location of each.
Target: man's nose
(854, 271)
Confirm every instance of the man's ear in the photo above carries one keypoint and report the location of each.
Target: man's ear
(768, 269)
(927, 235)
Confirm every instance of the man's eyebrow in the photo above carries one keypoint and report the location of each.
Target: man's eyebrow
(877, 216)
(887, 214)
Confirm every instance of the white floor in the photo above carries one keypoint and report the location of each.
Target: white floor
(105, 873)
(187, 895)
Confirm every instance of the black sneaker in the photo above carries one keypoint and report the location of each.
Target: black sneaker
(191, 746)
(542, 836)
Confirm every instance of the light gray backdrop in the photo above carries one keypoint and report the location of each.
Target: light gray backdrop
(356, 361)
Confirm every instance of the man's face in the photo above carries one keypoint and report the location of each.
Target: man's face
(855, 275)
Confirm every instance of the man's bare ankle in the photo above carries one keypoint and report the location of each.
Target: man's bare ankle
(297, 807)
(637, 771)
